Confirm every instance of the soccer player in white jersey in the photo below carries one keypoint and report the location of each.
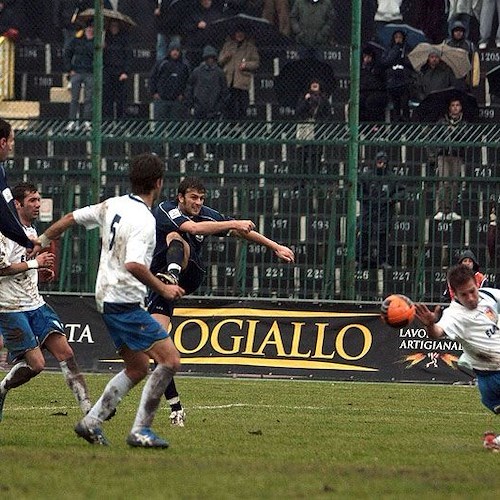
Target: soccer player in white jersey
(128, 240)
(472, 319)
(27, 322)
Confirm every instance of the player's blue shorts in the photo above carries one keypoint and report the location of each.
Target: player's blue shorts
(190, 279)
(130, 325)
(23, 331)
(489, 387)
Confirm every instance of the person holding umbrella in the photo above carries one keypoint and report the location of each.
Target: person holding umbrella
(398, 70)
(435, 75)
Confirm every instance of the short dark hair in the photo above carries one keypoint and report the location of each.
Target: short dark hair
(144, 171)
(459, 275)
(19, 190)
(5, 129)
(191, 183)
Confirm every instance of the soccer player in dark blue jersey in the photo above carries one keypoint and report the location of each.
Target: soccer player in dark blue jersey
(181, 226)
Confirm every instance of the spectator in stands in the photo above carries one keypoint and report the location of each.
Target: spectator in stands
(459, 40)
(116, 57)
(312, 107)
(277, 12)
(10, 21)
(239, 59)
(78, 61)
(311, 22)
(486, 18)
(430, 17)
(460, 10)
(248, 7)
(64, 17)
(398, 76)
(372, 93)
(207, 92)
(435, 75)
(196, 21)
(388, 11)
(377, 195)
(167, 84)
(467, 258)
(168, 27)
(450, 165)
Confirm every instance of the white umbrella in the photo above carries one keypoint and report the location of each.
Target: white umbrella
(456, 59)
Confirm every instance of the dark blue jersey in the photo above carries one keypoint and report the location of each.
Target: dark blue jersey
(168, 219)
(9, 223)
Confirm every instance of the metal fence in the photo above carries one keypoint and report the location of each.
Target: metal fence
(295, 192)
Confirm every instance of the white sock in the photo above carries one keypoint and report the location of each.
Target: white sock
(151, 394)
(113, 393)
(76, 382)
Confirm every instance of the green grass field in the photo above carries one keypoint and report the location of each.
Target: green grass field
(256, 439)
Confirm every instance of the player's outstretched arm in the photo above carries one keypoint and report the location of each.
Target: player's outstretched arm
(55, 230)
(281, 251)
(428, 319)
(215, 227)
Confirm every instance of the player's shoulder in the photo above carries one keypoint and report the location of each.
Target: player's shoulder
(490, 293)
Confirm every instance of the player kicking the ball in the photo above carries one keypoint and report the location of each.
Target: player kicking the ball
(181, 227)
(472, 319)
(128, 241)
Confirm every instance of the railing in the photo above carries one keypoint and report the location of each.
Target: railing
(295, 192)
(7, 55)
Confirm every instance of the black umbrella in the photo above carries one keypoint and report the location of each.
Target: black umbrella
(435, 106)
(261, 30)
(493, 77)
(295, 77)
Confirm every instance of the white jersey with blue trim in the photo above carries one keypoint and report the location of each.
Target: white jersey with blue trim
(128, 235)
(477, 330)
(19, 291)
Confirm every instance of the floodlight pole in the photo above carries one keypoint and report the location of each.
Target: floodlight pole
(96, 133)
(352, 169)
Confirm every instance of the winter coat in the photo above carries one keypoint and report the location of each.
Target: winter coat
(117, 53)
(169, 78)
(277, 12)
(312, 22)
(207, 91)
(378, 195)
(79, 55)
(371, 78)
(317, 107)
(398, 66)
(439, 78)
(230, 57)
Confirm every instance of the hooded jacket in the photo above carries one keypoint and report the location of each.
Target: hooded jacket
(169, 77)
(481, 280)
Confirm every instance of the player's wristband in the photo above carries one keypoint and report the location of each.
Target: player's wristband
(44, 241)
(32, 264)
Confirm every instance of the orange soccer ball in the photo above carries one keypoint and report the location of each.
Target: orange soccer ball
(397, 311)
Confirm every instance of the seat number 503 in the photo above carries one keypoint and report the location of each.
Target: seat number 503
(114, 223)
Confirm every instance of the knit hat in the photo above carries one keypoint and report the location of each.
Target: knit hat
(209, 51)
(174, 45)
(381, 155)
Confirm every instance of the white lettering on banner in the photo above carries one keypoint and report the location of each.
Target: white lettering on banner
(431, 345)
(75, 333)
(413, 332)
